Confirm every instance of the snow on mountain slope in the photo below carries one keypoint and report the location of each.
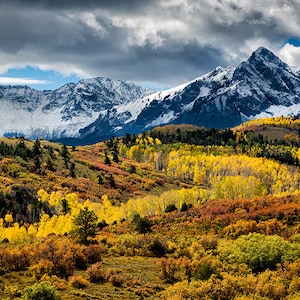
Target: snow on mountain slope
(63, 112)
(135, 108)
(278, 111)
(152, 110)
(96, 109)
(261, 86)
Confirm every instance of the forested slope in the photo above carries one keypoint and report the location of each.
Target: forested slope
(179, 212)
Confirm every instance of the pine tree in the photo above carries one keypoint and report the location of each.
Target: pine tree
(65, 154)
(85, 226)
(100, 179)
(111, 181)
(142, 225)
(72, 170)
(36, 149)
(49, 165)
(65, 206)
(115, 157)
(107, 160)
(37, 163)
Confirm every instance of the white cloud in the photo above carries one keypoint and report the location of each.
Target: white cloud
(291, 55)
(90, 20)
(21, 81)
(162, 42)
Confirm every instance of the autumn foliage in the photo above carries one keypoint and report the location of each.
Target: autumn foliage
(175, 213)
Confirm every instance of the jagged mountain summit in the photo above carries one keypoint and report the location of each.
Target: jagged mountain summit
(96, 109)
(262, 86)
(61, 113)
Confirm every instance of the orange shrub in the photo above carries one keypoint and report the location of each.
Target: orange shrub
(78, 281)
(44, 266)
(241, 227)
(209, 242)
(271, 227)
(14, 260)
(168, 268)
(271, 285)
(65, 255)
(93, 253)
(95, 273)
(114, 277)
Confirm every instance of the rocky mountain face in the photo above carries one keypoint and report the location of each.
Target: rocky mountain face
(62, 113)
(96, 109)
(262, 86)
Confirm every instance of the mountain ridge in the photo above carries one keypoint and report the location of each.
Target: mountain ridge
(61, 113)
(225, 97)
(98, 108)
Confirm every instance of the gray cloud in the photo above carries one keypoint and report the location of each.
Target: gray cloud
(158, 42)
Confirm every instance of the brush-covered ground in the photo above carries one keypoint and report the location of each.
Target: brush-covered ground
(180, 212)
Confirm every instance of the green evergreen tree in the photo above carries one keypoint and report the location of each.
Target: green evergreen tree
(64, 151)
(100, 179)
(85, 226)
(132, 169)
(22, 150)
(65, 206)
(115, 157)
(65, 154)
(37, 163)
(50, 165)
(36, 148)
(111, 181)
(107, 160)
(72, 170)
(142, 225)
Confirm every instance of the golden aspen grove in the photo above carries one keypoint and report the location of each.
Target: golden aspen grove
(178, 212)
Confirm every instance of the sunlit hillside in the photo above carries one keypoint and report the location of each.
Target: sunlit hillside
(280, 128)
(179, 212)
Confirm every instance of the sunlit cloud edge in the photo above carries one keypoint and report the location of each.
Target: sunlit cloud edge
(21, 81)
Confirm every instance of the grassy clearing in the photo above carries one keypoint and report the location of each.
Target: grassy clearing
(273, 133)
(140, 274)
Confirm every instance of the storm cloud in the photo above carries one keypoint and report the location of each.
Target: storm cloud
(159, 43)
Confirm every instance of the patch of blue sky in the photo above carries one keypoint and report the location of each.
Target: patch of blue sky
(36, 78)
(293, 41)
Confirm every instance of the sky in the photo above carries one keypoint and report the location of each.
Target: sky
(159, 44)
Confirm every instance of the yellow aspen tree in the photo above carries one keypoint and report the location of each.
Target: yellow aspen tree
(145, 141)
(157, 141)
(106, 212)
(123, 150)
(158, 207)
(123, 211)
(43, 196)
(198, 174)
(63, 224)
(55, 199)
(131, 152)
(150, 140)
(50, 226)
(130, 209)
(72, 199)
(8, 219)
(32, 230)
(42, 224)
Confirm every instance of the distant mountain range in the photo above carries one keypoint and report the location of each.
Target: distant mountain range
(96, 109)
(62, 113)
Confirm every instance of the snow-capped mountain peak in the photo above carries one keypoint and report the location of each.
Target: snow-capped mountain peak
(97, 108)
(61, 113)
(222, 98)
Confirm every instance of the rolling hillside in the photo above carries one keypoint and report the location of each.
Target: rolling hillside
(173, 213)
